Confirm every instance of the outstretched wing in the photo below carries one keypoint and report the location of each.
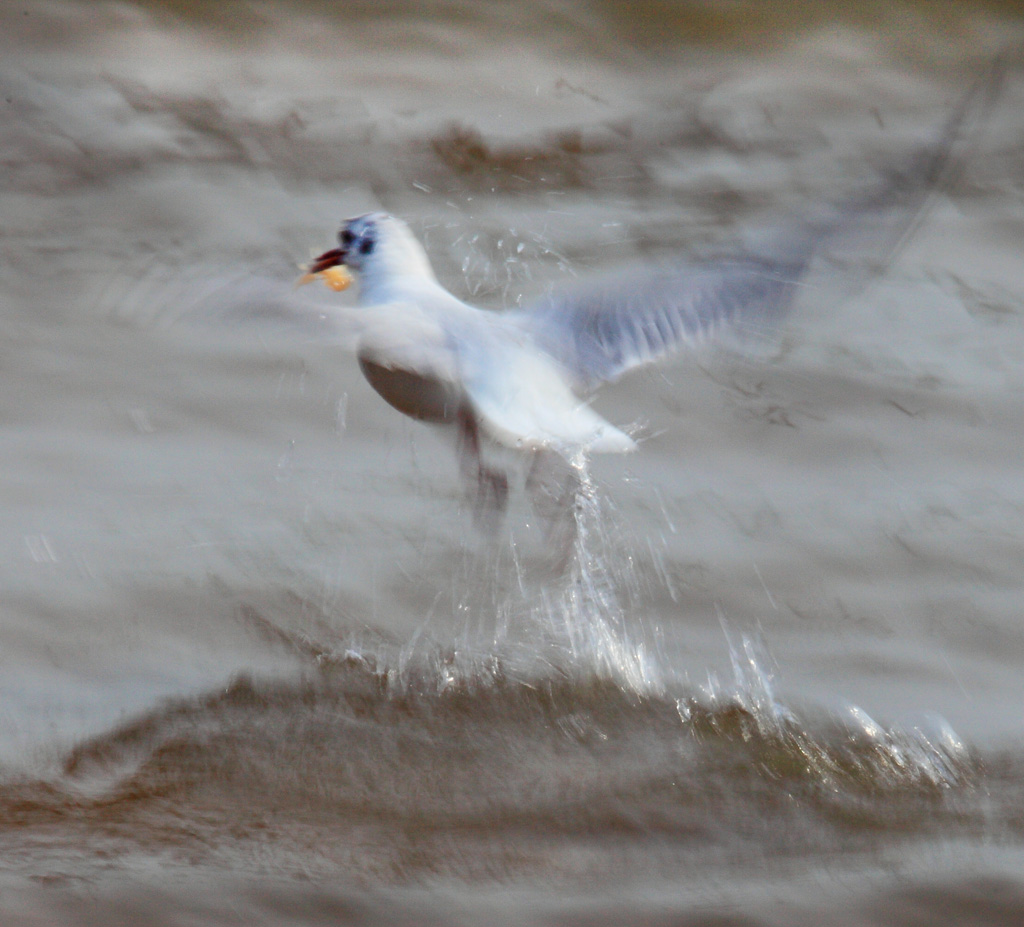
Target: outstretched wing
(599, 331)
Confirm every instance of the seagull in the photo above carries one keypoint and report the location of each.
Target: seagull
(523, 378)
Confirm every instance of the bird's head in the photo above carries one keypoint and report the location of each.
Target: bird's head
(380, 249)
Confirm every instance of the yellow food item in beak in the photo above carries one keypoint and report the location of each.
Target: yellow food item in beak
(337, 278)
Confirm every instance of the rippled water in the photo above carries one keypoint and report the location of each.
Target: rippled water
(261, 664)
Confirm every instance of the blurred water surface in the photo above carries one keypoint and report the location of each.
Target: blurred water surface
(259, 666)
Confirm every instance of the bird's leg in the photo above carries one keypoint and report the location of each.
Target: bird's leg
(491, 497)
(553, 485)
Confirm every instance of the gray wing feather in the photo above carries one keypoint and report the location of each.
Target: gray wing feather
(599, 331)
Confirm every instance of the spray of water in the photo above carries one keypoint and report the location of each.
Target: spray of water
(576, 620)
(583, 625)
(584, 619)
(846, 756)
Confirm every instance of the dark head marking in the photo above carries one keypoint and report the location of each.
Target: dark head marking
(359, 235)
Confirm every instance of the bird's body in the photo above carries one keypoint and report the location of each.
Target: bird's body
(435, 358)
(522, 378)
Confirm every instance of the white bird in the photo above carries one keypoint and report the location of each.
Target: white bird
(521, 378)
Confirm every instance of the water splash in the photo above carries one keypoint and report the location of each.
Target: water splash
(752, 689)
(585, 621)
(575, 618)
(840, 760)
(578, 640)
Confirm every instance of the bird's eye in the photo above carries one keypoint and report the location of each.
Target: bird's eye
(347, 237)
